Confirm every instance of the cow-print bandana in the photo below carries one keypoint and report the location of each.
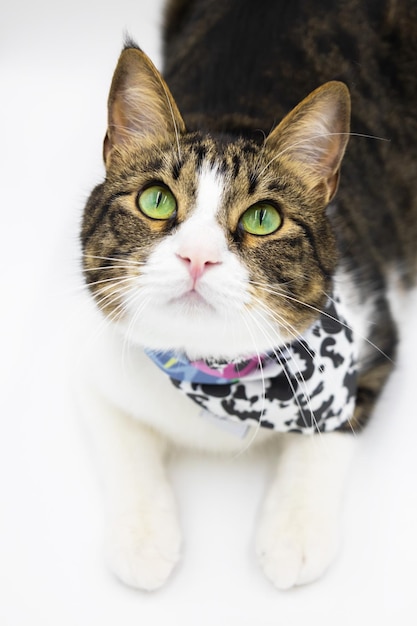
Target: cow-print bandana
(306, 386)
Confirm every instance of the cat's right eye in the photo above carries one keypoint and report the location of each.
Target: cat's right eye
(157, 202)
(261, 219)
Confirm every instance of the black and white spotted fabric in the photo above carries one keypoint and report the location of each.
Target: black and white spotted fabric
(306, 386)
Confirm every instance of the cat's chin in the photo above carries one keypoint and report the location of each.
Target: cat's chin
(200, 330)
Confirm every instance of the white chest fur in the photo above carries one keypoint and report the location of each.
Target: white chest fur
(125, 377)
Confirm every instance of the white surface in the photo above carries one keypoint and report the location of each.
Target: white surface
(56, 62)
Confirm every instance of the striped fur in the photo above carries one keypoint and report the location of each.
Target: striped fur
(231, 87)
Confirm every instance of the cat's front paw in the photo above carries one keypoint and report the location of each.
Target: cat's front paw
(143, 548)
(295, 549)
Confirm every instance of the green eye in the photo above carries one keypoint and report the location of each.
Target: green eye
(157, 202)
(261, 219)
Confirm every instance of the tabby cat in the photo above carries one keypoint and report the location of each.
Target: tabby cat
(234, 297)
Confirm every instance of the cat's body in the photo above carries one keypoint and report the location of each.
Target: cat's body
(210, 238)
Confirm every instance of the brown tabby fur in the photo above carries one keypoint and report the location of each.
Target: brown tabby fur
(235, 69)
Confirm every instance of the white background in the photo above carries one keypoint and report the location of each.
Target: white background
(56, 62)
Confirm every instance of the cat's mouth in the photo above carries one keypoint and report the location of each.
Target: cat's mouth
(192, 302)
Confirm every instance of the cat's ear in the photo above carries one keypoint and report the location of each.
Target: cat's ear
(140, 103)
(315, 134)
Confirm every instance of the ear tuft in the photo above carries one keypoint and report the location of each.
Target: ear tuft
(129, 42)
(315, 134)
(140, 104)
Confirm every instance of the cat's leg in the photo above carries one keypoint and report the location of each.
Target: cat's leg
(298, 535)
(142, 535)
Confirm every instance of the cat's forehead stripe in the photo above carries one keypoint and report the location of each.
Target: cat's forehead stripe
(209, 192)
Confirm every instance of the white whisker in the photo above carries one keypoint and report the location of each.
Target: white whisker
(117, 280)
(144, 301)
(174, 121)
(262, 411)
(302, 380)
(276, 292)
(318, 136)
(110, 258)
(108, 267)
(112, 294)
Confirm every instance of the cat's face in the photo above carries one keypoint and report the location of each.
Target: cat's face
(215, 246)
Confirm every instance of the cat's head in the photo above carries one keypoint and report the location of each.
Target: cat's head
(213, 245)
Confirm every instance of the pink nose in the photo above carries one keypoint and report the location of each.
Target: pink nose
(198, 261)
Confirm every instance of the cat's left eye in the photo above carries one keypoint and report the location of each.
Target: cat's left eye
(157, 202)
(261, 219)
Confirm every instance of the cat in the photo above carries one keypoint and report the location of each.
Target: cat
(237, 282)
